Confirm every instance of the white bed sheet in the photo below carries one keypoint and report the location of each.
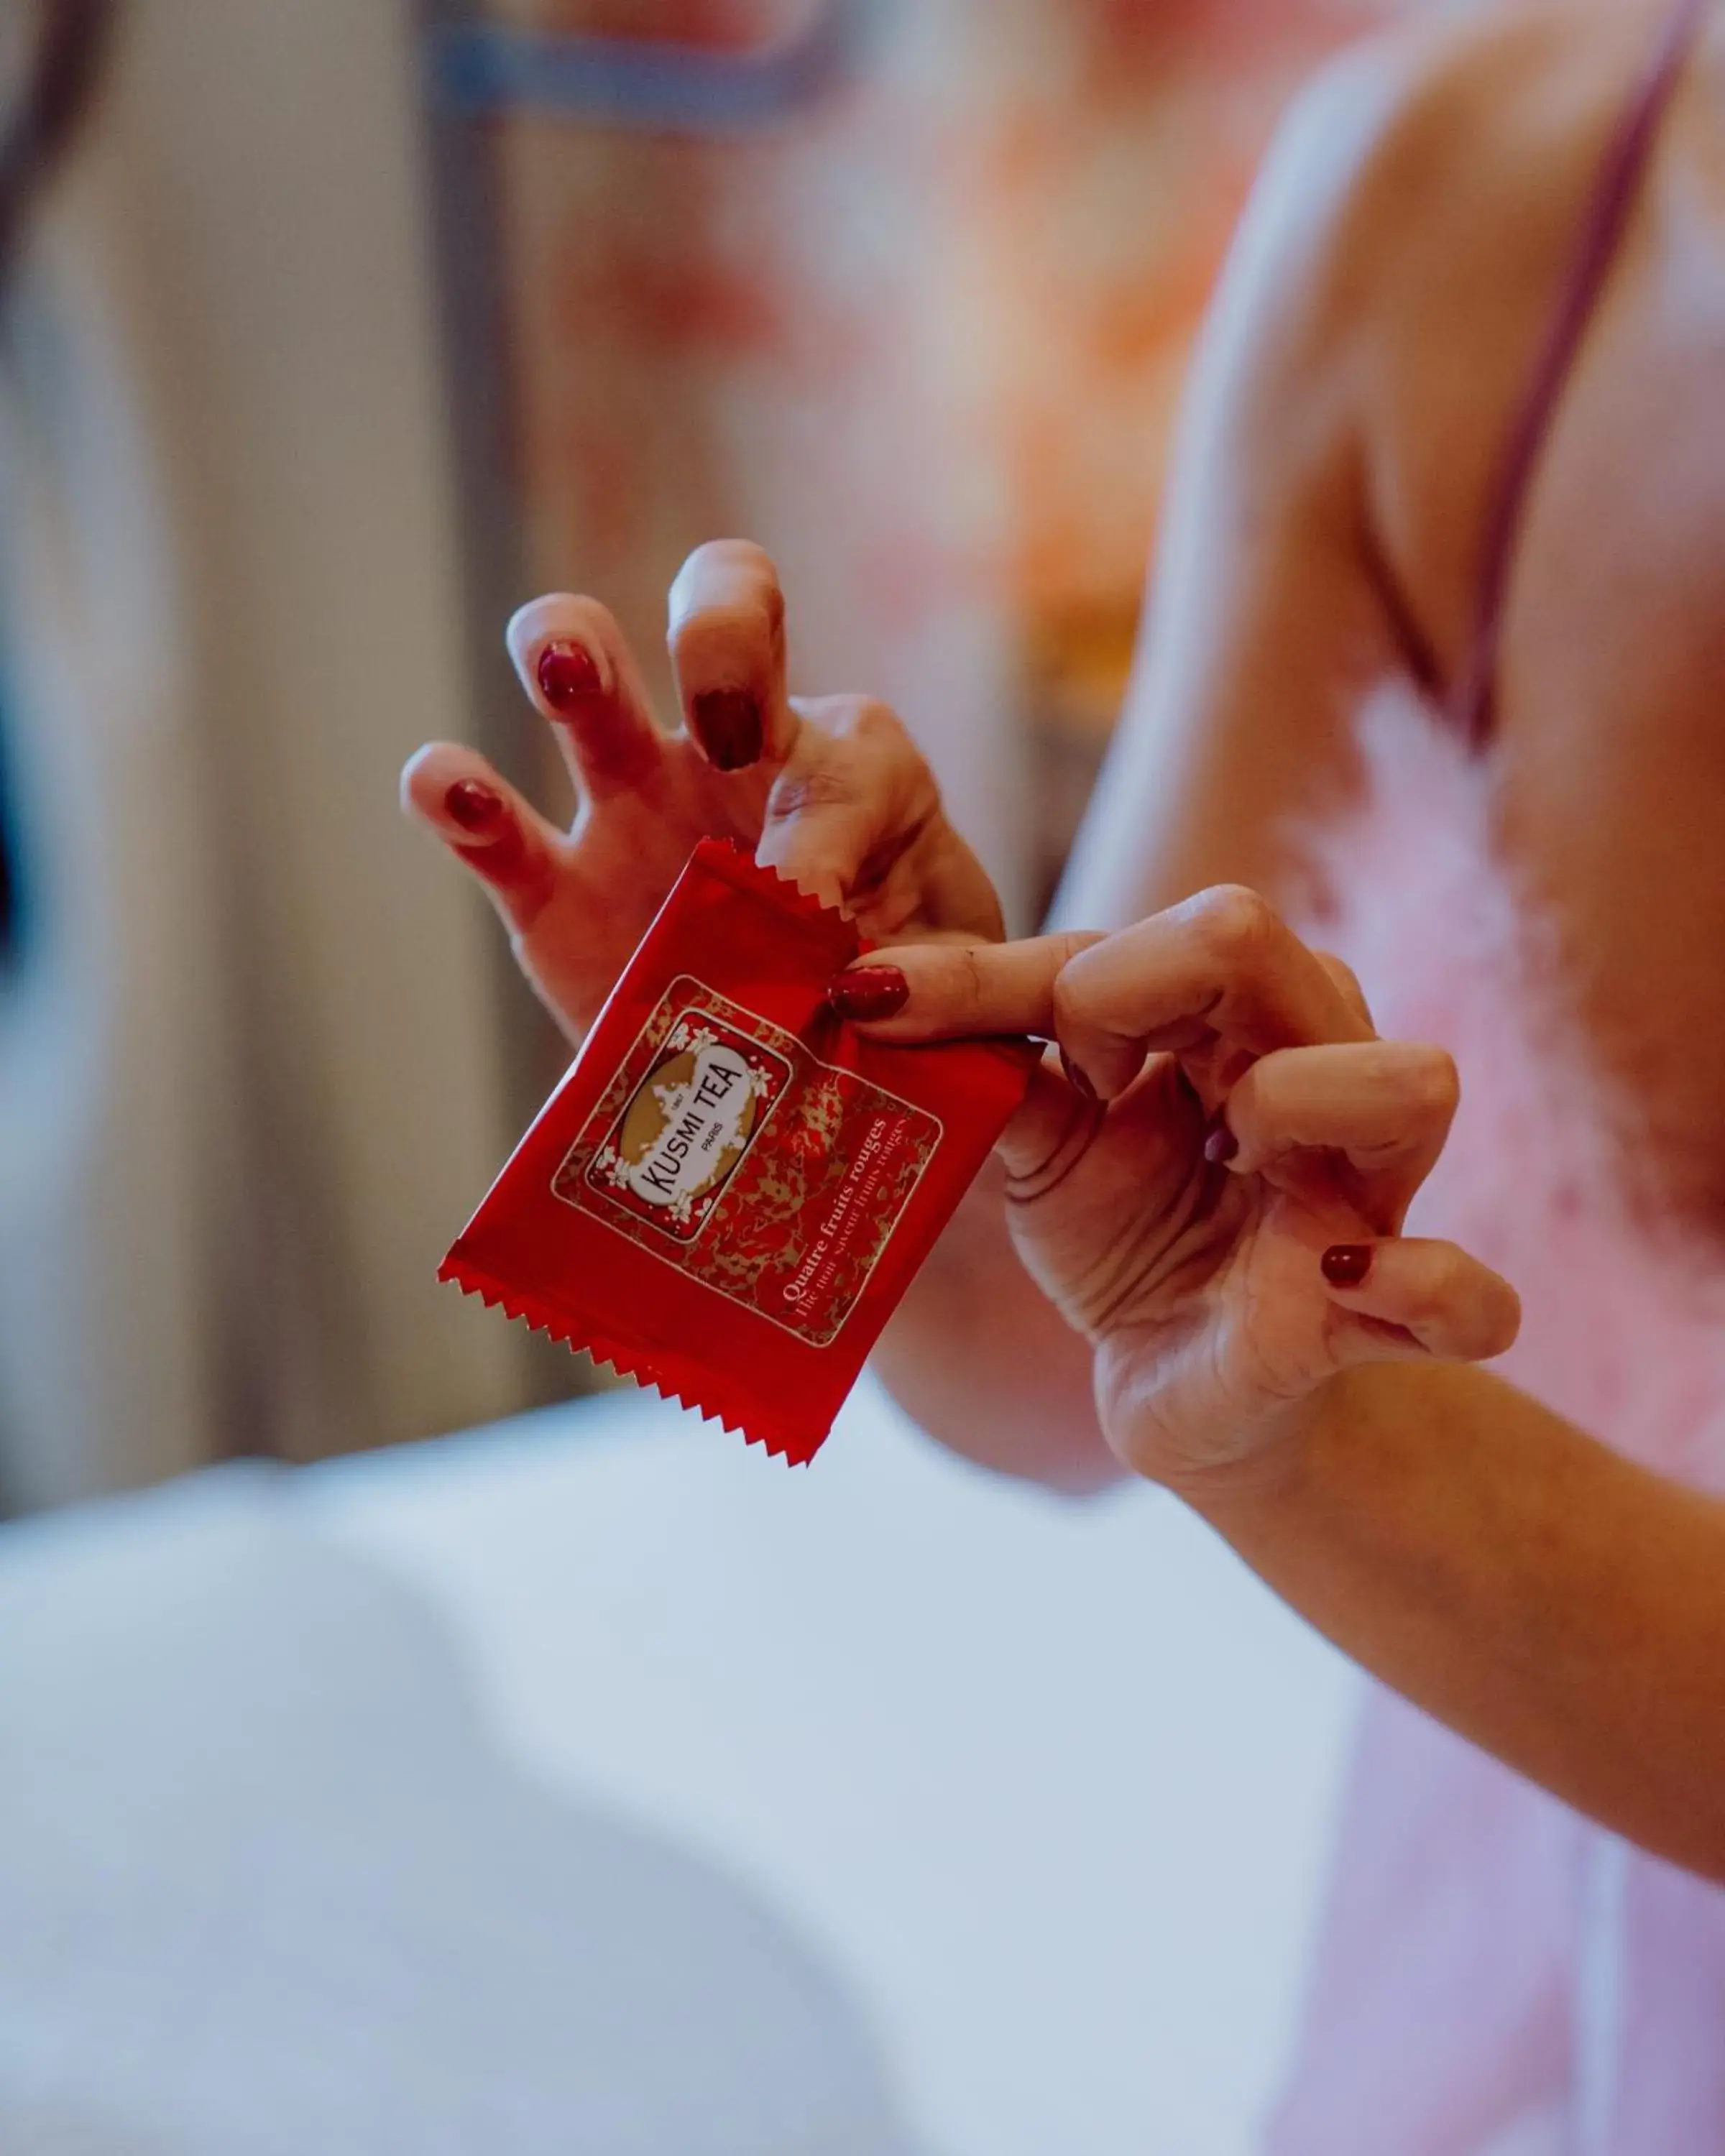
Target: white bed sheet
(1050, 1785)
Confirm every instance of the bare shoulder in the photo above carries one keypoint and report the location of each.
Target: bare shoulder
(1430, 163)
(1405, 248)
(1468, 133)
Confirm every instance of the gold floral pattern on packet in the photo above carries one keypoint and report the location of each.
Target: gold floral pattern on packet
(728, 1148)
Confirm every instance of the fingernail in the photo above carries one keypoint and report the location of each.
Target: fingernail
(569, 675)
(727, 724)
(473, 805)
(1346, 1265)
(865, 993)
(1221, 1145)
(1077, 1079)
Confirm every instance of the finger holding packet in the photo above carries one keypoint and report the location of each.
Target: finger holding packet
(732, 1189)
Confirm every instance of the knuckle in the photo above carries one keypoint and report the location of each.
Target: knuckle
(826, 783)
(1071, 944)
(826, 720)
(1346, 980)
(1068, 999)
(1238, 924)
(868, 757)
(1079, 996)
(881, 727)
(1421, 1083)
(1437, 1083)
(864, 728)
(866, 725)
(969, 987)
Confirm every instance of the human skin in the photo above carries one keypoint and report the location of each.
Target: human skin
(1376, 329)
(1555, 1604)
(1373, 335)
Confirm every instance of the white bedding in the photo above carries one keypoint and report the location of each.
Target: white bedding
(595, 1783)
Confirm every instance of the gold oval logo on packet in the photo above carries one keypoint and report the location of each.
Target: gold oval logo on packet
(688, 1123)
(688, 1126)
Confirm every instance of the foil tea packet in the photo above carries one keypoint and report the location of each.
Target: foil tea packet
(732, 1189)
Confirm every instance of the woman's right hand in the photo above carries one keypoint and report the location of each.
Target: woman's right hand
(829, 791)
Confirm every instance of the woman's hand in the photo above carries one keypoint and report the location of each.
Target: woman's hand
(829, 791)
(1214, 1194)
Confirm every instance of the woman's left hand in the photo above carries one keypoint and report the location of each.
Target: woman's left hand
(1214, 1194)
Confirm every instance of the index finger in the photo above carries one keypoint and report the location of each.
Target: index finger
(1222, 967)
(938, 991)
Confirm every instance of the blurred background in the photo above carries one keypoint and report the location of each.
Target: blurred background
(341, 328)
(333, 330)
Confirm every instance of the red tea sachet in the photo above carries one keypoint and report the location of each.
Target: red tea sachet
(730, 1190)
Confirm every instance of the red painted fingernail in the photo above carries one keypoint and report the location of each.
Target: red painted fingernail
(569, 675)
(866, 993)
(473, 805)
(1077, 1079)
(1221, 1145)
(1346, 1265)
(728, 726)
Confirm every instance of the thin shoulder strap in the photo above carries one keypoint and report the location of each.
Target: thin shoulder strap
(1627, 158)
